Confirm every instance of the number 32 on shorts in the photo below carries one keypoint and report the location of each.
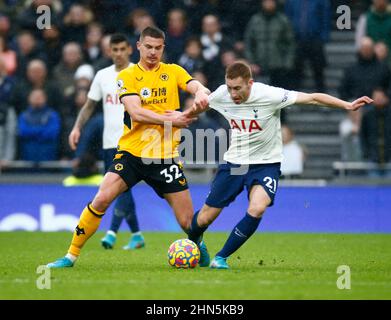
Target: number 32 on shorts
(171, 173)
(271, 184)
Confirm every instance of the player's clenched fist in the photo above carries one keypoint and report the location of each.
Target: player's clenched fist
(73, 138)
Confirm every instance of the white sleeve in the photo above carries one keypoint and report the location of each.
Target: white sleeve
(280, 97)
(95, 92)
(215, 98)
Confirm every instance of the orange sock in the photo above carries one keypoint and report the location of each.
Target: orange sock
(88, 224)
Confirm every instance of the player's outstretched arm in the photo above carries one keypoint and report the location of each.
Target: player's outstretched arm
(201, 94)
(326, 100)
(82, 118)
(133, 106)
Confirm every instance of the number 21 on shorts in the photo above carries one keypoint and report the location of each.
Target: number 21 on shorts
(271, 184)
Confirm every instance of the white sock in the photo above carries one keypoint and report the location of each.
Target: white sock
(112, 233)
(71, 257)
(138, 233)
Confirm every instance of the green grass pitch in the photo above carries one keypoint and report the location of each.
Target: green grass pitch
(269, 266)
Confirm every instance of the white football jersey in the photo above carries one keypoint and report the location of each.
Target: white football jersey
(104, 86)
(255, 123)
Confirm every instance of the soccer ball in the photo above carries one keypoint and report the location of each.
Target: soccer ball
(183, 253)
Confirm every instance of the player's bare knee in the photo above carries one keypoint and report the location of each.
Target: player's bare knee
(185, 224)
(102, 201)
(256, 210)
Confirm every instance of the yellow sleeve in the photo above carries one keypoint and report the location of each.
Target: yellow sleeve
(182, 76)
(125, 84)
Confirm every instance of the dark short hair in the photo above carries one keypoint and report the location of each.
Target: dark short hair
(153, 32)
(118, 38)
(238, 69)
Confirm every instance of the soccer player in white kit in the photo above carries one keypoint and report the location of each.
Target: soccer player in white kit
(255, 154)
(104, 87)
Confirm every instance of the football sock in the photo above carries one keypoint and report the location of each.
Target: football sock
(132, 221)
(125, 208)
(239, 235)
(116, 220)
(88, 224)
(195, 233)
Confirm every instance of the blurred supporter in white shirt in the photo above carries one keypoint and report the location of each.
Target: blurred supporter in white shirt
(349, 132)
(292, 165)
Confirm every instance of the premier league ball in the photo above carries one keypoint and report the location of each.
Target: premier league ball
(183, 253)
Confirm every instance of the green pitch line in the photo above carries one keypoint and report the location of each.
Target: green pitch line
(269, 266)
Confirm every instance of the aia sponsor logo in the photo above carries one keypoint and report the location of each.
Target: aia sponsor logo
(243, 125)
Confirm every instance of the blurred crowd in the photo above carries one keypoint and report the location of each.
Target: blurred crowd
(45, 74)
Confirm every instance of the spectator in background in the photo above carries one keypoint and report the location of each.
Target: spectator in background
(176, 35)
(52, 44)
(84, 76)
(215, 78)
(136, 22)
(69, 118)
(28, 50)
(64, 72)
(8, 56)
(292, 165)
(105, 60)
(382, 53)
(212, 39)
(85, 172)
(7, 83)
(376, 133)
(196, 10)
(75, 24)
(39, 129)
(7, 134)
(375, 24)
(311, 20)
(7, 118)
(92, 47)
(270, 45)
(235, 16)
(5, 26)
(82, 82)
(349, 132)
(36, 78)
(111, 13)
(191, 59)
(365, 75)
(213, 44)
